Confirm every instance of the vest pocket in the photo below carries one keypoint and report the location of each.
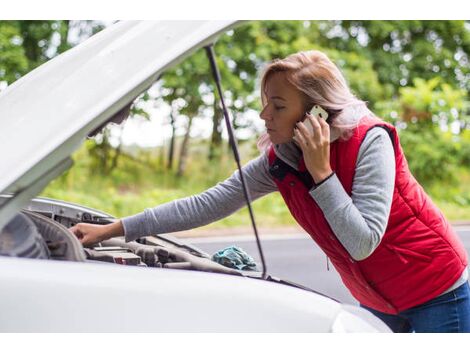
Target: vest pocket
(407, 254)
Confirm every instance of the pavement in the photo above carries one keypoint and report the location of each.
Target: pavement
(307, 267)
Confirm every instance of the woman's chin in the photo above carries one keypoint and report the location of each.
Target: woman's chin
(276, 138)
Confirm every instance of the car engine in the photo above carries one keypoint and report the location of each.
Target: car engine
(41, 231)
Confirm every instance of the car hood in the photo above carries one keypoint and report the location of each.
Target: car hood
(46, 115)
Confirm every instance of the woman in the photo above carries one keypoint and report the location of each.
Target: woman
(347, 183)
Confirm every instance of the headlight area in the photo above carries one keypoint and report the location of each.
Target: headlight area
(356, 319)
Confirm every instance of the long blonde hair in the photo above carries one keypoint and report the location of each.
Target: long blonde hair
(321, 83)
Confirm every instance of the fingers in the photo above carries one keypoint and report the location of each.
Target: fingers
(302, 135)
(76, 230)
(79, 232)
(302, 129)
(315, 135)
(300, 138)
(89, 234)
(315, 124)
(325, 128)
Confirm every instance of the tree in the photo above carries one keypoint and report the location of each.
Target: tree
(378, 59)
(241, 54)
(427, 111)
(27, 44)
(13, 61)
(404, 50)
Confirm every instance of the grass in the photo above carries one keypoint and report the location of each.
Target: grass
(134, 186)
(454, 200)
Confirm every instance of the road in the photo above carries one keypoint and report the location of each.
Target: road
(297, 258)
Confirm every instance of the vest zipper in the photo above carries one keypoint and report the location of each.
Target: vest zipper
(327, 263)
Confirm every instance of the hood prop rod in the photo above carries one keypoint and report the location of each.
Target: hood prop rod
(233, 144)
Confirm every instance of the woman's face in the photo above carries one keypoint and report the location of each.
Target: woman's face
(284, 108)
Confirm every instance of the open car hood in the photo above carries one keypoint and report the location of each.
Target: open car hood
(46, 115)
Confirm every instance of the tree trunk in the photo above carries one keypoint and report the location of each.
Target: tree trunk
(216, 138)
(161, 158)
(64, 33)
(184, 150)
(117, 154)
(171, 152)
(30, 43)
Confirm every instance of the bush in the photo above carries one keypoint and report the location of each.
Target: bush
(431, 154)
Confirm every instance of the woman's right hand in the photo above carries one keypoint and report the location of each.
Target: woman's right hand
(89, 234)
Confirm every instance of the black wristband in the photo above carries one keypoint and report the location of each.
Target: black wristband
(323, 181)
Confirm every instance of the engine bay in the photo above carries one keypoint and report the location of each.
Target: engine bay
(41, 231)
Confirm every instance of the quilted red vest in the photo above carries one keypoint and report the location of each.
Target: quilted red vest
(419, 257)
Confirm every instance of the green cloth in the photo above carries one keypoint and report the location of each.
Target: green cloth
(234, 257)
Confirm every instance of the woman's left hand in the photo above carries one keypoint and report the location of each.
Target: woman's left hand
(315, 147)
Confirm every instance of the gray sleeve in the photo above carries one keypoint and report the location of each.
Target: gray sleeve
(216, 203)
(359, 221)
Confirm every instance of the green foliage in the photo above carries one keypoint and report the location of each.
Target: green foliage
(414, 74)
(431, 155)
(463, 148)
(360, 74)
(136, 185)
(456, 198)
(433, 102)
(404, 50)
(428, 108)
(139, 183)
(13, 61)
(24, 45)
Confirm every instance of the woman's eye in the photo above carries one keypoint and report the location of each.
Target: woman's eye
(279, 107)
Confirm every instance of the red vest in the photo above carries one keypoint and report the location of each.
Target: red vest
(419, 257)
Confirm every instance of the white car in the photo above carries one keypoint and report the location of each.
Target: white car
(50, 283)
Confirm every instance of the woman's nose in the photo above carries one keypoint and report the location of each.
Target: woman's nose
(264, 114)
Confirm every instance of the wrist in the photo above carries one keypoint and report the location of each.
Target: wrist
(113, 230)
(321, 176)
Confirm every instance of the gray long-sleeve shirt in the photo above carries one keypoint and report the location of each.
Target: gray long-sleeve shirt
(358, 221)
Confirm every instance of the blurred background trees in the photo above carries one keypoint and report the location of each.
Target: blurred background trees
(413, 74)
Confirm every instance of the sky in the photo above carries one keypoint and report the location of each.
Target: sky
(152, 133)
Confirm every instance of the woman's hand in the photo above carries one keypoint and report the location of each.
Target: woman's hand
(315, 147)
(89, 234)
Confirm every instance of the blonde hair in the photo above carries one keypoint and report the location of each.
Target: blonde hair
(321, 83)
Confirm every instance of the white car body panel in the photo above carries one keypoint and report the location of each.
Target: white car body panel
(51, 296)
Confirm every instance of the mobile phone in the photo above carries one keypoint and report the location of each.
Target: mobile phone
(318, 111)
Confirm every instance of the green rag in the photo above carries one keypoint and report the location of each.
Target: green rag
(234, 257)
